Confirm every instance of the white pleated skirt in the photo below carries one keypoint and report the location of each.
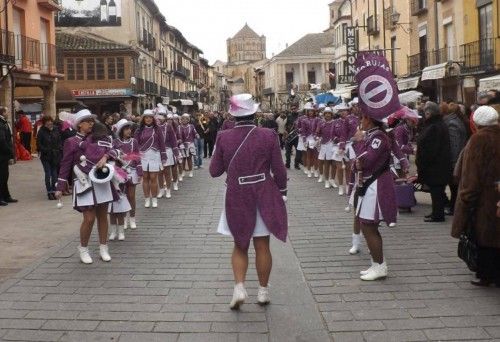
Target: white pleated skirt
(98, 194)
(151, 161)
(326, 151)
(368, 205)
(301, 146)
(170, 157)
(120, 206)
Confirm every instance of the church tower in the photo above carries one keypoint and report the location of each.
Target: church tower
(246, 46)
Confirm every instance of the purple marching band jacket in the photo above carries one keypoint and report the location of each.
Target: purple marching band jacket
(402, 136)
(324, 132)
(228, 124)
(374, 153)
(352, 122)
(129, 147)
(339, 132)
(151, 137)
(71, 157)
(188, 133)
(168, 132)
(249, 155)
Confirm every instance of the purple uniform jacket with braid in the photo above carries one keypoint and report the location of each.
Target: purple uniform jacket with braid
(188, 133)
(258, 158)
(325, 131)
(352, 122)
(339, 132)
(402, 136)
(398, 153)
(71, 156)
(228, 124)
(374, 152)
(170, 137)
(151, 137)
(95, 150)
(128, 147)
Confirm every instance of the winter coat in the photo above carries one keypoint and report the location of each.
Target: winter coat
(49, 145)
(6, 147)
(480, 169)
(458, 136)
(433, 157)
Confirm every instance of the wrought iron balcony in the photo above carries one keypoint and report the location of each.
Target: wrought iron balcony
(479, 56)
(419, 61)
(53, 5)
(7, 46)
(31, 55)
(139, 85)
(418, 7)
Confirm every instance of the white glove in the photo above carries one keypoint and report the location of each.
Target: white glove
(285, 199)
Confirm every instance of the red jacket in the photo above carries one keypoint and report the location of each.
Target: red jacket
(23, 124)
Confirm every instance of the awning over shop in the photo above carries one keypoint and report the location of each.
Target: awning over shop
(489, 83)
(182, 102)
(409, 96)
(326, 98)
(408, 83)
(343, 92)
(434, 72)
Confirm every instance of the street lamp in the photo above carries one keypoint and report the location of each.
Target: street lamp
(395, 21)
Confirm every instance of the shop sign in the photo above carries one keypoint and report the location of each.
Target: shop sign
(101, 92)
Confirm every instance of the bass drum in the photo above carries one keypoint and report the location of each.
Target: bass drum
(291, 136)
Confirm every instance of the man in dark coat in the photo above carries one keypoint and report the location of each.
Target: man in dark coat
(434, 159)
(6, 157)
(291, 140)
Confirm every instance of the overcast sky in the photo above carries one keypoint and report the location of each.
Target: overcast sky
(208, 23)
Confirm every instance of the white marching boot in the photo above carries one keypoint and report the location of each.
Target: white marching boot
(112, 236)
(263, 297)
(239, 296)
(168, 193)
(84, 255)
(356, 243)
(191, 174)
(121, 233)
(161, 193)
(367, 270)
(316, 174)
(327, 184)
(377, 271)
(333, 183)
(133, 225)
(104, 252)
(309, 174)
(154, 202)
(147, 202)
(341, 190)
(176, 186)
(126, 223)
(320, 179)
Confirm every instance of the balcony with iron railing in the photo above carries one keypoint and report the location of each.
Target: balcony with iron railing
(139, 85)
(151, 88)
(32, 56)
(419, 61)
(52, 5)
(418, 7)
(7, 47)
(479, 56)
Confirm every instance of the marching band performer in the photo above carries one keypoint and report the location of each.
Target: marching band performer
(228, 123)
(351, 119)
(339, 136)
(188, 135)
(255, 196)
(374, 198)
(324, 133)
(175, 147)
(153, 156)
(89, 197)
(307, 128)
(173, 154)
(129, 149)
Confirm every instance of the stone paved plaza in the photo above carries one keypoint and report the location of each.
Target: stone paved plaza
(171, 280)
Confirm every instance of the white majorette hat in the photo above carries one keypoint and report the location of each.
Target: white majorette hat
(328, 110)
(342, 106)
(242, 105)
(117, 128)
(186, 115)
(354, 101)
(170, 116)
(485, 116)
(176, 116)
(148, 112)
(161, 109)
(321, 106)
(103, 175)
(308, 106)
(82, 115)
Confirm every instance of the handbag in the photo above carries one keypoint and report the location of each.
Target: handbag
(468, 249)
